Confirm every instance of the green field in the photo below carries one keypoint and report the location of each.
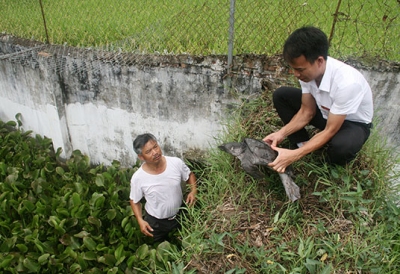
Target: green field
(362, 28)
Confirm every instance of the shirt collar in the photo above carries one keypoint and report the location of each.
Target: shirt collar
(326, 79)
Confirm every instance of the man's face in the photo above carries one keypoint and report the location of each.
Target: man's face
(305, 71)
(151, 152)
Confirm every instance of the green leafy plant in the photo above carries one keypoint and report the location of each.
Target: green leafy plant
(67, 217)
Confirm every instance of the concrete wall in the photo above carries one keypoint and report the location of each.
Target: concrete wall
(87, 100)
(386, 89)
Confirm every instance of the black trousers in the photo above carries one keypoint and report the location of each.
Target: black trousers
(346, 143)
(162, 227)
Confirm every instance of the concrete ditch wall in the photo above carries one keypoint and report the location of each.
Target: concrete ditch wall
(84, 100)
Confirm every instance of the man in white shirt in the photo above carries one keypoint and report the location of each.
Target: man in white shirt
(158, 181)
(334, 97)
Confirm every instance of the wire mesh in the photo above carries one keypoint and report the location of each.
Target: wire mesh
(356, 28)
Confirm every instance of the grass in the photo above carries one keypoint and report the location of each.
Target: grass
(71, 216)
(361, 28)
(345, 222)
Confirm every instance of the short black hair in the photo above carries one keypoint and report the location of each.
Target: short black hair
(308, 41)
(141, 140)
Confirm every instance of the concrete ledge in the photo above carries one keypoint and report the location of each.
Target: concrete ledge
(98, 101)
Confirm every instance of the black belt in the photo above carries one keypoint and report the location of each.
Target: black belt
(165, 219)
(171, 218)
(362, 124)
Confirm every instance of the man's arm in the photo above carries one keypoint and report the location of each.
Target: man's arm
(286, 156)
(300, 120)
(191, 198)
(144, 226)
(333, 125)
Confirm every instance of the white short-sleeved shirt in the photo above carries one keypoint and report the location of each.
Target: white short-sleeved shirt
(343, 91)
(163, 192)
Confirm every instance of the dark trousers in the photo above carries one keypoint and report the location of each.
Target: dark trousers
(162, 227)
(346, 143)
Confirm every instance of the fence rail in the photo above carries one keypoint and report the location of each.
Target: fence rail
(356, 28)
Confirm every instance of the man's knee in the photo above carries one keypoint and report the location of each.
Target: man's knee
(281, 93)
(341, 153)
(345, 145)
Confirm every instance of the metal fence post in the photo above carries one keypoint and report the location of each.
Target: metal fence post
(44, 22)
(335, 18)
(231, 40)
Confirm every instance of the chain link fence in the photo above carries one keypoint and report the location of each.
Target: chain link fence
(355, 28)
(366, 29)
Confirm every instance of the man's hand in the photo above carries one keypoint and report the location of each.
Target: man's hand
(274, 139)
(191, 198)
(284, 159)
(146, 228)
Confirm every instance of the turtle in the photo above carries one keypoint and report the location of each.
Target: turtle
(253, 154)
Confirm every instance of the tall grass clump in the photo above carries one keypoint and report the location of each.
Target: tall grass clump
(345, 222)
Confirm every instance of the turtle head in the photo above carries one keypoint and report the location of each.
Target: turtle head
(235, 149)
